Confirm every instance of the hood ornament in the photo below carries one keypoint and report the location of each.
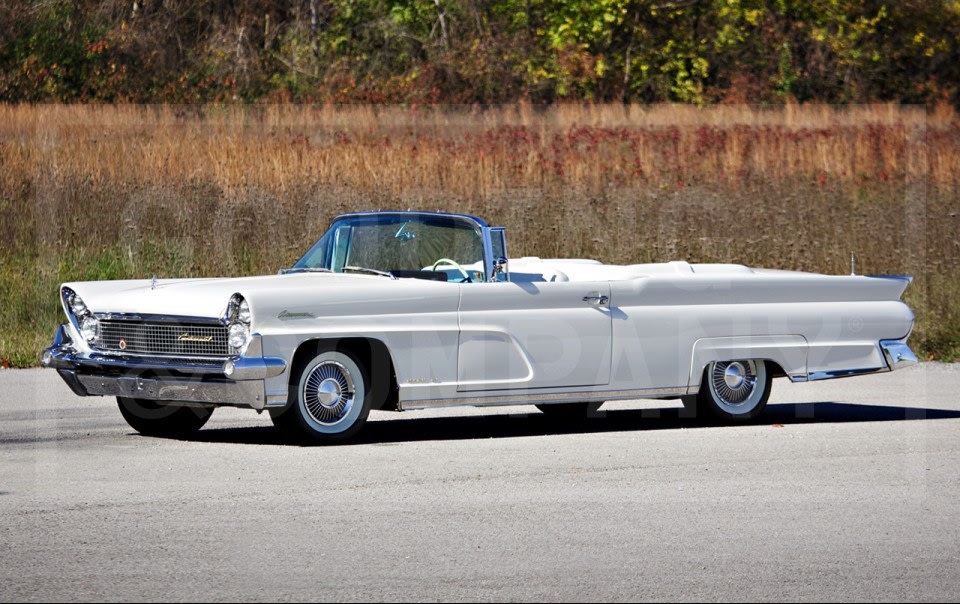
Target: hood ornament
(153, 282)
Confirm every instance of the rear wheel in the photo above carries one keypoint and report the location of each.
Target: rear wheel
(327, 402)
(155, 419)
(570, 409)
(732, 390)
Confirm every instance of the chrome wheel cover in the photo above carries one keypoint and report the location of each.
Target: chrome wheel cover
(734, 385)
(328, 393)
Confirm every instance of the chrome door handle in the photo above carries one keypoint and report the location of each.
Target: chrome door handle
(596, 300)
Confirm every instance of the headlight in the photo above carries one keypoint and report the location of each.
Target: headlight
(90, 328)
(81, 316)
(76, 305)
(237, 336)
(243, 312)
(238, 319)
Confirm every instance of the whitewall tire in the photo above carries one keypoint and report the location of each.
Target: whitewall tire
(734, 390)
(328, 400)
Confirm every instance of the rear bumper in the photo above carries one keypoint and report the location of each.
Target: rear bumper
(897, 354)
(237, 381)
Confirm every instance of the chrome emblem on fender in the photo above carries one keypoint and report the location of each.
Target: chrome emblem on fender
(286, 314)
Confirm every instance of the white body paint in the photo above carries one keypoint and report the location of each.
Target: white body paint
(535, 338)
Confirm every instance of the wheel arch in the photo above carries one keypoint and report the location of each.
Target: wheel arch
(784, 355)
(373, 356)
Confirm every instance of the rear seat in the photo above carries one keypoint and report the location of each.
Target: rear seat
(534, 270)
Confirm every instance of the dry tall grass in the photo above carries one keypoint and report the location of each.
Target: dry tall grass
(98, 191)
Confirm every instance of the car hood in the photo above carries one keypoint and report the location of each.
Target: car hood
(208, 297)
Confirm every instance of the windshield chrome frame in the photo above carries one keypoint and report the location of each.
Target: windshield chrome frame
(478, 224)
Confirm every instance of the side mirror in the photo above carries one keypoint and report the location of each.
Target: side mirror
(500, 268)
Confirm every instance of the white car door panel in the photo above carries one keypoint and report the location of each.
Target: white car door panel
(534, 335)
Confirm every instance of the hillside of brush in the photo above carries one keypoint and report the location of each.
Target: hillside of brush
(467, 51)
(116, 192)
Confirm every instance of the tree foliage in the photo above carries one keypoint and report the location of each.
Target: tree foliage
(464, 51)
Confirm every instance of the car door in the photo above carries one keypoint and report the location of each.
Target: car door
(534, 335)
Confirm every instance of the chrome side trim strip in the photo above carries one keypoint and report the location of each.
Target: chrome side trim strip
(533, 398)
(839, 373)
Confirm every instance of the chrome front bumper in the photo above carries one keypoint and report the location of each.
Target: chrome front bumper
(237, 381)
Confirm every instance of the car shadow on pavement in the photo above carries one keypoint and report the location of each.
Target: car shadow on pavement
(512, 425)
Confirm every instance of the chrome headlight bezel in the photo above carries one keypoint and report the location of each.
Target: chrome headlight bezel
(238, 319)
(81, 317)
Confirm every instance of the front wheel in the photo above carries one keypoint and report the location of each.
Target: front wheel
(328, 402)
(732, 390)
(154, 419)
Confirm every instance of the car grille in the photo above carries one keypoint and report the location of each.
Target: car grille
(163, 338)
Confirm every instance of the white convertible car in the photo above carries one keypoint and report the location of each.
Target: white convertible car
(411, 310)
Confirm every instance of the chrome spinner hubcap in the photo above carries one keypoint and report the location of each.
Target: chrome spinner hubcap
(734, 375)
(328, 393)
(733, 381)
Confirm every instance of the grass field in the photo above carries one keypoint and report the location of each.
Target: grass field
(97, 192)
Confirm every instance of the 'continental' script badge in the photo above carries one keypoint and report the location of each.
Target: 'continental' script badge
(286, 314)
(186, 337)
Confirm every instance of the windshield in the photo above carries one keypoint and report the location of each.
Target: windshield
(445, 248)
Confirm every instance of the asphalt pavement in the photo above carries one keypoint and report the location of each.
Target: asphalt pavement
(843, 490)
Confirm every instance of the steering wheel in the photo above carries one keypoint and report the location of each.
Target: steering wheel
(454, 264)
